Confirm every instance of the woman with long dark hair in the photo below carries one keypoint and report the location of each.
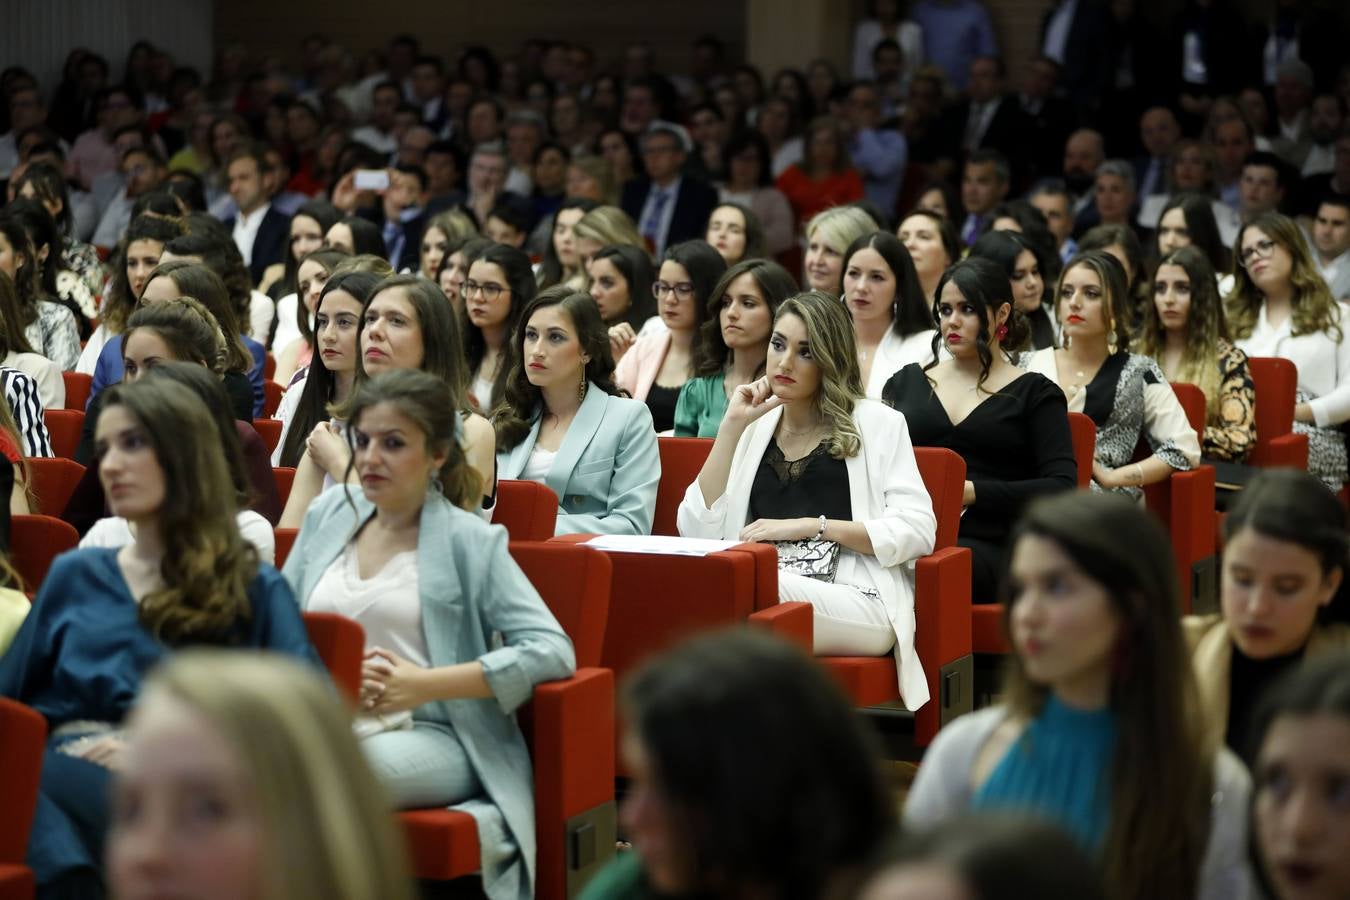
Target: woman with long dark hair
(891, 321)
(50, 327)
(499, 285)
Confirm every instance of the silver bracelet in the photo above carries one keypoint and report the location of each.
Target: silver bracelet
(821, 533)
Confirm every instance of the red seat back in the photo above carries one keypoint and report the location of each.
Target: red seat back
(285, 540)
(340, 643)
(34, 541)
(271, 397)
(78, 386)
(528, 509)
(1084, 433)
(573, 581)
(681, 461)
(944, 474)
(23, 735)
(284, 476)
(1276, 382)
(52, 480)
(1193, 402)
(269, 365)
(270, 432)
(64, 427)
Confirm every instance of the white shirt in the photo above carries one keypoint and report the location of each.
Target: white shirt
(539, 464)
(981, 114)
(1057, 31)
(387, 604)
(1321, 159)
(115, 532)
(261, 308)
(1323, 363)
(93, 349)
(246, 231)
(893, 354)
(288, 329)
(285, 412)
(1335, 273)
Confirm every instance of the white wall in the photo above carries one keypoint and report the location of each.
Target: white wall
(38, 34)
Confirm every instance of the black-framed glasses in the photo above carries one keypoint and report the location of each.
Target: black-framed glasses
(684, 290)
(490, 290)
(1260, 250)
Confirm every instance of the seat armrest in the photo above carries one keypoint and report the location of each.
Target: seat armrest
(1286, 450)
(791, 621)
(941, 626)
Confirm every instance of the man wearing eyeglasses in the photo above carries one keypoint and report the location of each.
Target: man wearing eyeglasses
(142, 171)
(668, 205)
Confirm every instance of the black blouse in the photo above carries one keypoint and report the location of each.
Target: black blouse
(1248, 679)
(1016, 444)
(815, 485)
(661, 401)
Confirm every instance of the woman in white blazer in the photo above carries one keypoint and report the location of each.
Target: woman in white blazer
(801, 455)
(563, 423)
(892, 321)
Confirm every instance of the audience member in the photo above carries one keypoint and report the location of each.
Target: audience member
(828, 235)
(1032, 291)
(621, 281)
(749, 182)
(565, 424)
(1331, 244)
(933, 247)
(668, 206)
(734, 231)
(892, 326)
(825, 177)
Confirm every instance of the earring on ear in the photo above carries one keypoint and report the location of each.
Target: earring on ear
(1001, 332)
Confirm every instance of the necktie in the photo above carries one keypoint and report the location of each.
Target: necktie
(651, 229)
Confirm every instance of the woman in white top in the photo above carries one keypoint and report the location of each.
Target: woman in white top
(293, 340)
(801, 456)
(407, 325)
(115, 531)
(1125, 394)
(456, 636)
(891, 321)
(1099, 730)
(17, 353)
(500, 283)
(1280, 306)
(828, 236)
(282, 280)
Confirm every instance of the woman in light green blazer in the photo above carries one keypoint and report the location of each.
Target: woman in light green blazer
(563, 423)
(456, 636)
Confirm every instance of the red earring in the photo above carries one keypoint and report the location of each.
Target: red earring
(1001, 332)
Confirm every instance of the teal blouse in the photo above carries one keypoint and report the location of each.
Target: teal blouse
(1060, 769)
(702, 404)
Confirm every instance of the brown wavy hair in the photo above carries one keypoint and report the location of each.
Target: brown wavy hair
(522, 402)
(207, 566)
(196, 280)
(1314, 309)
(1206, 327)
(1115, 285)
(1161, 771)
(773, 282)
(426, 400)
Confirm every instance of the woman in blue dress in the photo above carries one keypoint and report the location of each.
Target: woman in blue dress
(104, 617)
(1100, 730)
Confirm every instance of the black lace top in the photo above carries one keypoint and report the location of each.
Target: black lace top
(815, 485)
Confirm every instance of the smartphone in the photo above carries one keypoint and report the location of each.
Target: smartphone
(371, 180)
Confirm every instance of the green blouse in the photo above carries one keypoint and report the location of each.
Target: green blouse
(702, 403)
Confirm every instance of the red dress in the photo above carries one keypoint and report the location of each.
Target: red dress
(809, 196)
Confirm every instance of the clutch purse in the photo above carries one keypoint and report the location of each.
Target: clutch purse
(818, 559)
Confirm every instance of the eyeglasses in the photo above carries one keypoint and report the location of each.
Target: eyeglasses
(489, 290)
(684, 290)
(1259, 250)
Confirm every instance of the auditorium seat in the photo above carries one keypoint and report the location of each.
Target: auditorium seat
(284, 476)
(64, 427)
(1276, 383)
(270, 432)
(53, 480)
(271, 397)
(681, 461)
(285, 540)
(341, 643)
(78, 385)
(269, 365)
(569, 727)
(1084, 433)
(527, 509)
(23, 736)
(34, 541)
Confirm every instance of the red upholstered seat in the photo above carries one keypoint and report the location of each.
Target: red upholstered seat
(53, 480)
(64, 427)
(284, 476)
(1084, 433)
(34, 541)
(528, 510)
(340, 643)
(285, 540)
(23, 735)
(78, 386)
(271, 397)
(681, 461)
(1276, 383)
(270, 432)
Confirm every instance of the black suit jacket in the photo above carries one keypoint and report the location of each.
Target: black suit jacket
(693, 204)
(1088, 54)
(269, 244)
(1046, 131)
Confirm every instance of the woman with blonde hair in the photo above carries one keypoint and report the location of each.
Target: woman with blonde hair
(1280, 306)
(592, 178)
(444, 230)
(1185, 332)
(605, 226)
(104, 617)
(803, 460)
(828, 236)
(268, 745)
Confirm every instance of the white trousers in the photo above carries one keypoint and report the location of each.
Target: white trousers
(847, 621)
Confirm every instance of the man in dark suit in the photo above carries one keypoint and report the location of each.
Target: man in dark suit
(401, 217)
(1049, 118)
(1077, 35)
(260, 232)
(989, 119)
(667, 205)
(1159, 130)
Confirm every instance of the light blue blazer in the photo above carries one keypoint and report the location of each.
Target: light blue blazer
(606, 470)
(476, 605)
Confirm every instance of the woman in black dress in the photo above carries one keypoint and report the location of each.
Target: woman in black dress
(1011, 427)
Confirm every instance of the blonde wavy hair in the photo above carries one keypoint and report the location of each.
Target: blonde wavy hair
(829, 334)
(609, 225)
(1314, 308)
(327, 830)
(207, 566)
(840, 226)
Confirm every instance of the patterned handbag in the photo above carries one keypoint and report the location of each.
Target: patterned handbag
(818, 559)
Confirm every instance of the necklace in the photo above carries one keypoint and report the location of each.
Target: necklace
(782, 426)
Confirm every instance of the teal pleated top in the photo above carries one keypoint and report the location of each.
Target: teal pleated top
(1060, 770)
(701, 406)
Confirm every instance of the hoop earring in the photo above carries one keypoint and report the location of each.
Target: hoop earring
(435, 485)
(1111, 342)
